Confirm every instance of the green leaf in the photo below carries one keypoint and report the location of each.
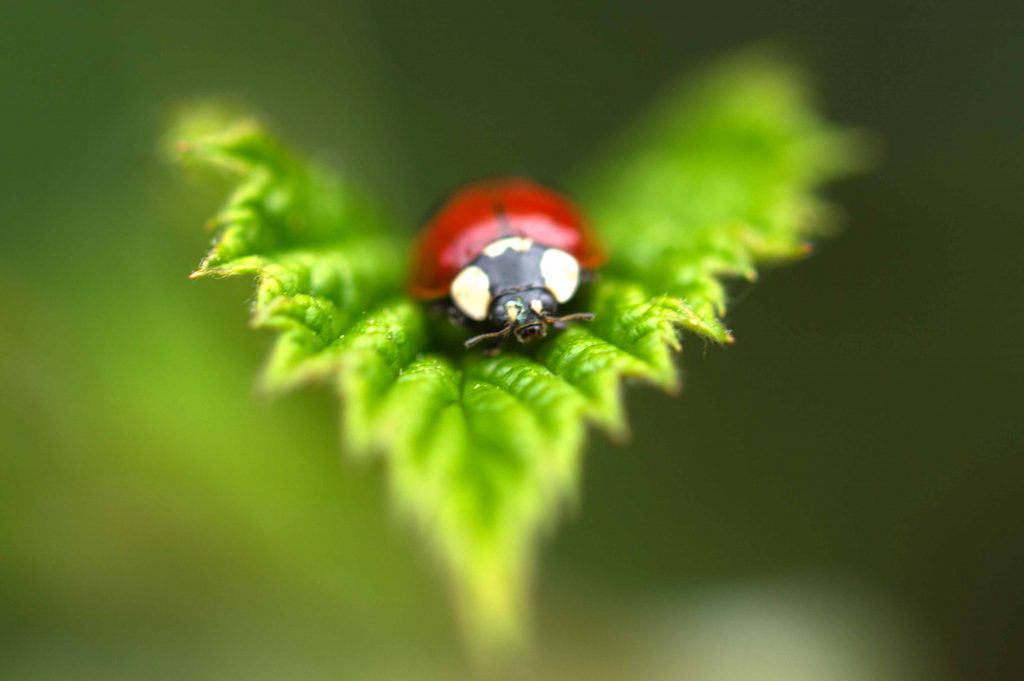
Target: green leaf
(483, 452)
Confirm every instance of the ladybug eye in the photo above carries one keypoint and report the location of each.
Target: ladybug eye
(561, 273)
(471, 293)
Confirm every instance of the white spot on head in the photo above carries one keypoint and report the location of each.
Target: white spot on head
(561, 273)
(537, 306)
(471, 293)
(516, 243)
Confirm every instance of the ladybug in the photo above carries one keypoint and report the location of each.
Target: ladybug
(505, 254)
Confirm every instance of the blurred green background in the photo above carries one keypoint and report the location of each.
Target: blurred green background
(836, 496)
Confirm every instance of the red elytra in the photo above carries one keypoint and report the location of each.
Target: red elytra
(483, 212)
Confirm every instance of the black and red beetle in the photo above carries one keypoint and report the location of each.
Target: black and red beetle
(508, 253)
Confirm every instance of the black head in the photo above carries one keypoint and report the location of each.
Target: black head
(527, 313)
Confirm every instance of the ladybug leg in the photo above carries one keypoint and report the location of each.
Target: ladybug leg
(446, 309)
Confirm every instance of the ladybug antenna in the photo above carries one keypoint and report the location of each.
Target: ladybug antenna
(559, 322)
(494, 335)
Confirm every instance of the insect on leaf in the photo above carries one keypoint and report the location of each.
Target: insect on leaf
(483, 452)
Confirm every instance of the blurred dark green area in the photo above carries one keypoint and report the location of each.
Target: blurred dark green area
(157, 520)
